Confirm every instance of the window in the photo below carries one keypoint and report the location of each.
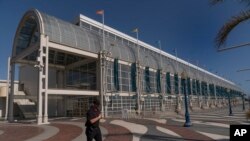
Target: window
(82, 77)
(85, 25)
(176, 82)
(96, 29)
(112, 35)
(168, 83)
(118, 38)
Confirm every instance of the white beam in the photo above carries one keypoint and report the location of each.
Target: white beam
(72, 50)
(25, 53)
(29, 62)
(72, 92)
(32, 97)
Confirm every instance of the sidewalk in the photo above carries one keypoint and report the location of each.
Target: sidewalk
(114, 130)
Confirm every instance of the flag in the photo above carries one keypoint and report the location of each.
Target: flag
(100, 12)
(135, 30)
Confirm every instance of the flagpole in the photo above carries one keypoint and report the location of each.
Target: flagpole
(159, 42)
(103, 32)
(102, 60)
(103, 48)
(137, 42)
(138, 95)
(138, 46)
(161, 78)
(104, 71)
(177, 66)
(138, 65)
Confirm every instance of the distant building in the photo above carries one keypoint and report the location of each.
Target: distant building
(64, 65)
(3, 95)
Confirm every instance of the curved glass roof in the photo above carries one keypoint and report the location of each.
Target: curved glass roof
(65, 33)
(27, 34)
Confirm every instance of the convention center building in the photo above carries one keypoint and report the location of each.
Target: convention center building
(62, 66)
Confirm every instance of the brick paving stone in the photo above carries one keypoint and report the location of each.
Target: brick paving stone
(66, 132)
(219, 121)
(186, 133)
(18, 132)
(116, 133)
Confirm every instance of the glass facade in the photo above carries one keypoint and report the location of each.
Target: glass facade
(28, 35)
(176, 83)
(194, 89)
(133, 77)
(82, 77)
(158, 81)
(168, 83)
(124, 78)
(188, 86)
(74, 71)
(211, 89)
(88, 37)
(198, 87)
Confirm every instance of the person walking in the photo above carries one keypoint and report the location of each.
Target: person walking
(92, 124)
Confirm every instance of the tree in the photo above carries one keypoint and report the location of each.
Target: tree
(232, 23)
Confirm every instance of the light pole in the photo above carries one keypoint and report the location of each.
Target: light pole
(243, 102)
(229, 100)
(248, 101)
(187, 117)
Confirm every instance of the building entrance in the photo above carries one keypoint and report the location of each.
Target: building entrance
(77, 106)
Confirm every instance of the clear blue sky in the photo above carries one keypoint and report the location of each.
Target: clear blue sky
(188, 25)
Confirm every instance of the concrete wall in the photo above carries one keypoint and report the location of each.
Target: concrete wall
(3, 94)
(3, 91)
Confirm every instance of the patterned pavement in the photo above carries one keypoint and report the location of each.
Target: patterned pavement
(206, 126)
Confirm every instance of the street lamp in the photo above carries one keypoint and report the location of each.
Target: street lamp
(229, 100)
(187, 117)
(249, 101)
(243, 102)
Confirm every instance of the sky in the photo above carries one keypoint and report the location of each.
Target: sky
(190, 26)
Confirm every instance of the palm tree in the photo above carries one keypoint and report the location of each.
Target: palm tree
(231, 24)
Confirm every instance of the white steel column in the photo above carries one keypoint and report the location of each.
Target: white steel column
(208, 95)
(178, 97)
(39, 97)
(42, 80)
(11, 94)
(138, 87)
(8, 90)
(191, 92)
(46, 79)
(200, 94)
(215, 96)
(101, 87)
(162, 90)
(161, 80)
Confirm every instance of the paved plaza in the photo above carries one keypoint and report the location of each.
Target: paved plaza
(207, 125)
